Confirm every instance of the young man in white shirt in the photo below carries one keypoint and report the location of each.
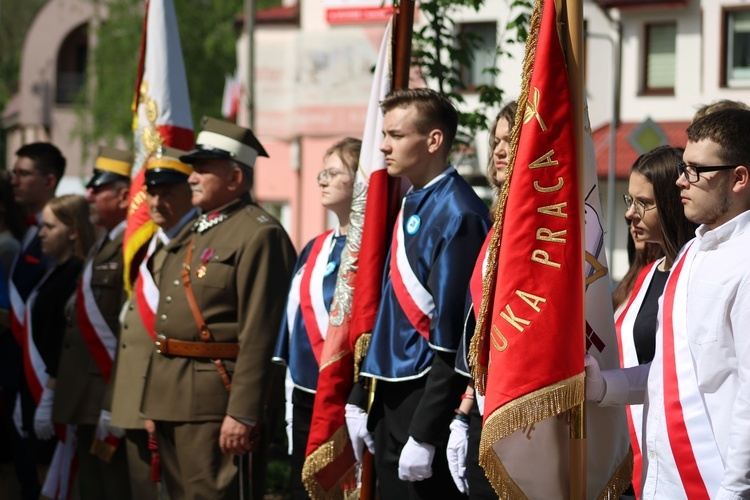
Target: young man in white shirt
(697, 389)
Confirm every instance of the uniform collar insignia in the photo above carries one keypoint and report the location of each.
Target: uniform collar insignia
(211, 219)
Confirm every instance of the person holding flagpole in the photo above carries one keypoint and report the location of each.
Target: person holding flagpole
(38, 169)
(697, 421)
(168, 197)
(437, 237)
(304, 327)
(466, 426)
(90, 342)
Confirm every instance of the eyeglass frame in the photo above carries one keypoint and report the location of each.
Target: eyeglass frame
(329, 174)
(683, 169)
(636, 204)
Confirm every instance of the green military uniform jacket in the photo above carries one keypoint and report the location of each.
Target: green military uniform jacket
(80, 389)
(134, 352)
(240, 272)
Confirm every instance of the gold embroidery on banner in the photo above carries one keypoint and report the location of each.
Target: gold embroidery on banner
(532, 111)
(599, 270)
(360, 349)
(620, 480)
(138, 200)
(150, 134)
(319, 459)
(498, 339)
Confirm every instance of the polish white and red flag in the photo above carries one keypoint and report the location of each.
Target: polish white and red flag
(162, 117)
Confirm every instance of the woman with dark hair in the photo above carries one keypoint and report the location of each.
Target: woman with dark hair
(66, 234)
(305, 323)
(655, 210)
(640, 254)
(466, 427)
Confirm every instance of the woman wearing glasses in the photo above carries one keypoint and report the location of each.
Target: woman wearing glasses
(303, 330)
(656, 214)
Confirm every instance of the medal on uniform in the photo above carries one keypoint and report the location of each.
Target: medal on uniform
(206, 255)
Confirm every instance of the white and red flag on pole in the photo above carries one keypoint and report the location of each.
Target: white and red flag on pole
(527, 352)
(329, 464)
(162, 117)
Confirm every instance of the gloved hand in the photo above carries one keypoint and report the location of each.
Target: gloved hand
(289, 436)
(18, 417)
(596, 386)
(480, 402)
(43, 426)
(105, 427)
(356, 424)
(458, 442)
(415, 462)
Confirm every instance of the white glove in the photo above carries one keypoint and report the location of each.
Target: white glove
(458, 442)
(18, 417)
(480, 402)
(356, 424)
(105, 427)
(43, 426)
(289, 436)
(415, 462)
(596, 386)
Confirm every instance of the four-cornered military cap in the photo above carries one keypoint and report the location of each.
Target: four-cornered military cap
(111, 165)
(165, 167)
(223, 140)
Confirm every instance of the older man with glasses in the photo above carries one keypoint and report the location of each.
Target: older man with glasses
(697, 427)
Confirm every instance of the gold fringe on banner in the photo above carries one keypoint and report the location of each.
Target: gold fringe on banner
(360, 350)
(480, 338)
(319, 459)
(620, 480)
(531, 408)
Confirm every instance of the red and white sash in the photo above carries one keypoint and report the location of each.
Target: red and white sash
(624, 321)
(100, 339)
(693, 446)
(146, 292)
(415, 300)
(311, 301)
(17, 305)
(33, 365)
(64, 466)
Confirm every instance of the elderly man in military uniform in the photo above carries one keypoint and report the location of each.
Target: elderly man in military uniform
(88, 352)
(221, 300)
(168, 197)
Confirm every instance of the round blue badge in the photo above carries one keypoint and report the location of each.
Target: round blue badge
(412, 225)
(330, 268)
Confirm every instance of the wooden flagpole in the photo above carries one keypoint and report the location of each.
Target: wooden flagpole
(573, 46)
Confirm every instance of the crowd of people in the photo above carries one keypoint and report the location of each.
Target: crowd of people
(174, 378)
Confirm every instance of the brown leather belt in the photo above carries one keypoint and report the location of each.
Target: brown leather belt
(187, 349)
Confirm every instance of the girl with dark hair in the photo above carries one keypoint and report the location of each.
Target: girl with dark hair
(655, 211)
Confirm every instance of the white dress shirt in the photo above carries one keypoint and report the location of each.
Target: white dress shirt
(718, 336)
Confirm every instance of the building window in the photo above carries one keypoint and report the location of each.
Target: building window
(71, 65)
(737, 48)
(483, 39)
(660, 63)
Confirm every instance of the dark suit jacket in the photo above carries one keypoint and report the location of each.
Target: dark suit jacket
(240, 273)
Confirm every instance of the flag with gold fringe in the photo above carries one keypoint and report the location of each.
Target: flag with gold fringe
(532, 331)
(329, 470)
(161, 109)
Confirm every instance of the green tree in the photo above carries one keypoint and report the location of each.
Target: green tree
(208, 38)
(443, 52)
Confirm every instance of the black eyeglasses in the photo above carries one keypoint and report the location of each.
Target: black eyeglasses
(640, 207)
(693, 173)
